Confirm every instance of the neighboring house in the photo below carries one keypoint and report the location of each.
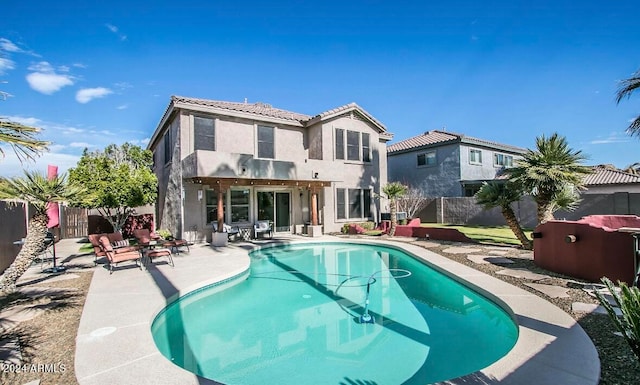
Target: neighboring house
(255, 162)
(607, 180)
(444, 164)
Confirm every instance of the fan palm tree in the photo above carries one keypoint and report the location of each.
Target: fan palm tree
(625, 89)
(38, 190)
(497, 194)
(22, 139)
(551, 174)
(393, 191)
(633, 168)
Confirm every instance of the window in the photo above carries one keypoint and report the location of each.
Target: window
(427, 159)
(239, 206)
(502, 160)
(211, 202)
(358, 201)
(339, 143)
(366, 151)
(356, 144)
(353, 145)
(471, 189)
(340, 204)
(475, 156)
(265, 142)
(204, 134)
(167, 146)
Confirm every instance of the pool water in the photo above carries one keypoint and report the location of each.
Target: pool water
(297, 320)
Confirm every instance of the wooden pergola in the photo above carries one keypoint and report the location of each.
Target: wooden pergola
(221, 185)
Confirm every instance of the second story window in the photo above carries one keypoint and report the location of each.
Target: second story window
(339, 143)
(204, 134)
(475, 156)
(266, 142)
(168, 147)
(426, 159)
(502, 160)
(354, 146)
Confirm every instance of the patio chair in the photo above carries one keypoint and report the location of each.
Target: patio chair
(262, 227)
(232, 231)
(145, 236)
(114, 258)
(118, 243)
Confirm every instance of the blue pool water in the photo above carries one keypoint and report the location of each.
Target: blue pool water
(297, 319)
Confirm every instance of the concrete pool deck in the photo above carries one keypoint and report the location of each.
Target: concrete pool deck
(114, 344)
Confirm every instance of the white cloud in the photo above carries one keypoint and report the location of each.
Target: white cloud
(6, 64)
(122, 107)
(79, 65)
(614, 137)
(45, 80)
(86, 95)
(116, 30)
(9, 46)
(80, 144)
(33, 122)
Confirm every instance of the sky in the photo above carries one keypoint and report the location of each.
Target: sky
(92, 73)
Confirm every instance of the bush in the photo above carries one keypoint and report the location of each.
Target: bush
(164, 233)
(628, 299)
(364, 225)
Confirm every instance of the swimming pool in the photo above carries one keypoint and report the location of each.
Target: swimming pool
(298, 319)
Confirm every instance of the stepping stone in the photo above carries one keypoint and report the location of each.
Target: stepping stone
(11, 317)
(550, 290)
(428, 244)
(523, 273)
(527, 255)
(10, 351)
(495, 248)
(486, 259)
(34, 382)
(44, 291)
(581, 307)
(461, 250)
(605, 293)
(498, 252)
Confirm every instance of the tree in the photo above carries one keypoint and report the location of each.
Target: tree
(633, 168)
(551, 174)
(626, 88)
(412, 201)
(22, 139)
(393, 191)
(120, 179)
(503, 194)
(38, 190)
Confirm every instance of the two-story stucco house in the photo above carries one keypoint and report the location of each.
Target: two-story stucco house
(444, 164)
(253, 162)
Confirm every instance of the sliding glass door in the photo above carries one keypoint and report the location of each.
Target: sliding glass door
(275, 207)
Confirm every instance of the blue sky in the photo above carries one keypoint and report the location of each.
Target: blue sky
(95, 73)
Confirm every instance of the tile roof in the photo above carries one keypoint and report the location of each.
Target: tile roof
(429, 137)
(607, 176)
(258, 108)
(437, 137)
(347, 107)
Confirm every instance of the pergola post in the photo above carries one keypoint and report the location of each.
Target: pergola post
(314, 206)
(222, 187)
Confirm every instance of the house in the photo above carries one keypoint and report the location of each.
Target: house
(445, 164)
(607, 179)
(250, 161)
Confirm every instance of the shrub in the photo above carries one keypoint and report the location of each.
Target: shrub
(628, 299)
(164, 233)
(364, 225)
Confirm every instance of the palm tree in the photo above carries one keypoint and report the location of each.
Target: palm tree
(633, 168)
(38, 190)
(552, 175)
(625, 89)
(497, 194)
(393, 191)
(22, 139)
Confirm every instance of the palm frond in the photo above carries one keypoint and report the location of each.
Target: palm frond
(22, 140)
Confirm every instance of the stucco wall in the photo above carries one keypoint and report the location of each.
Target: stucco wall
(441, 179)
(472, 171)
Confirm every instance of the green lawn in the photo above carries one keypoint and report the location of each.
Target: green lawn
(484, 234)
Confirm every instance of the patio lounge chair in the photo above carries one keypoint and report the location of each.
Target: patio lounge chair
(115, 258)
(145, 236)
(232, 231)
(119, 244)
(149, 254)
(261, 227)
